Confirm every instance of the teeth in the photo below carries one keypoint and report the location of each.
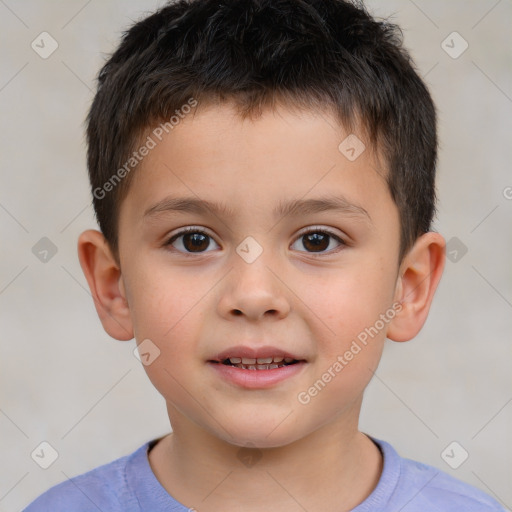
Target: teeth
(258, 366)
(261, 363)
(260, 360)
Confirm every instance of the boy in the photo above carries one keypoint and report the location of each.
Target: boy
(263, 177)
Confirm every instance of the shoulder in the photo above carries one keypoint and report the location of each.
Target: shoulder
(103, 488)
(424, 487)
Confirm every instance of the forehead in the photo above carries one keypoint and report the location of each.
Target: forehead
(256, 164)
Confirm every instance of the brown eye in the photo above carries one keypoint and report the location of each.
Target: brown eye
(318, 241)
(196, 242)
(191, 240)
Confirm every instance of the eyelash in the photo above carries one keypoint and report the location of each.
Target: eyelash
(324, 231)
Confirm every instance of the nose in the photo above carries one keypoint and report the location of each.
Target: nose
(253, 290)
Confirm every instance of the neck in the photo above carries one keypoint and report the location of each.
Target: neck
(334, 468)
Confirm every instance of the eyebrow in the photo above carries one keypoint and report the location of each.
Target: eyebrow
(294, 207)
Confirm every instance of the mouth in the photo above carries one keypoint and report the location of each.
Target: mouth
(260, 363)
(261, 367)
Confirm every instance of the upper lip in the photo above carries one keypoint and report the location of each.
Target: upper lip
(254, 353)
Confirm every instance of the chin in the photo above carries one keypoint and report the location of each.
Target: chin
(260, 436)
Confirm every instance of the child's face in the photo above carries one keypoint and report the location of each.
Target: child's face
(197, 296)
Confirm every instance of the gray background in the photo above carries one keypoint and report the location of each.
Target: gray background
(64, 381)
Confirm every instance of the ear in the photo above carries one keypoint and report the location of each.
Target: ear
(105, 281)
(418, 278)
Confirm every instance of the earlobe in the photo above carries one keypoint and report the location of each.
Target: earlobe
(105, 282)
(418, 279)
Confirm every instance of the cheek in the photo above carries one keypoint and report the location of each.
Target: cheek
(350, 337)
(352, 301)
(162, 303)
(167, 311)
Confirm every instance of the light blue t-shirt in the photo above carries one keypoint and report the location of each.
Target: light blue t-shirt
(129, 485)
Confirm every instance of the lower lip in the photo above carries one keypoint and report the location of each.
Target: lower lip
(257, 379)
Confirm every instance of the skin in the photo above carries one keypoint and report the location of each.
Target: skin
(311, 302)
